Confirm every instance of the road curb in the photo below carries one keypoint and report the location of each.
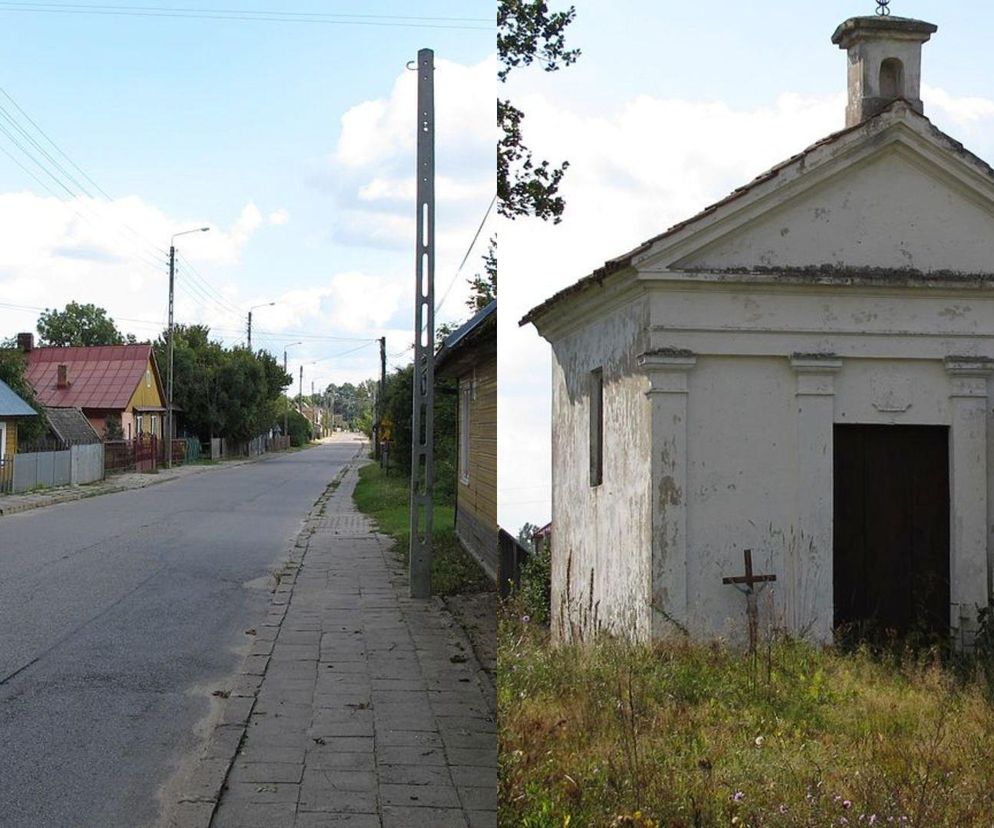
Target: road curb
(200, 794)
(76, 494)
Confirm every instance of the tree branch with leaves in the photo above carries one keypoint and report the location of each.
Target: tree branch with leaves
(528, 32)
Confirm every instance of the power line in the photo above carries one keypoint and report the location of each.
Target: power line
(469, 249)
(248, 15)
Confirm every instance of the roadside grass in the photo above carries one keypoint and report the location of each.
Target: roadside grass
(610, 734)
(385, 497)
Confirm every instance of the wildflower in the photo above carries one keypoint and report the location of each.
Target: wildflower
(525, 619)
(783, 808)
(759, 741)
(738, 796)
(736, 821)
(873, 819)
(846, 804)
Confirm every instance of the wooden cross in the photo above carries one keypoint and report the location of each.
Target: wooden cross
(752, 609)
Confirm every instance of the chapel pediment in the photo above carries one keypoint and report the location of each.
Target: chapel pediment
(893, 193)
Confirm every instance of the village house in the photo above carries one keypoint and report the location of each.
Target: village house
(12, 410)
(801, 370)
(469, 356)
(117, 386)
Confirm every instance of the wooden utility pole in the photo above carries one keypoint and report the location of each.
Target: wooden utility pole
(169, 384)
(422, 459)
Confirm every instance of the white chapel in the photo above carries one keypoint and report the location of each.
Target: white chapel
(802, 370)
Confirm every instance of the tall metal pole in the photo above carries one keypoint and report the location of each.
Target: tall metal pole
(250, 331)
(300, 395)
(169, 381)
(379, 396)
(422, 443)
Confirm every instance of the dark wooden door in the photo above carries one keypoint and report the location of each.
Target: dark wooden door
(891, 559)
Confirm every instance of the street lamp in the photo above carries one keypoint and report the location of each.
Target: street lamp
(169, 390)
(263, 305)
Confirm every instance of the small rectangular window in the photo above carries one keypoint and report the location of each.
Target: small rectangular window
(465, 398)
(596, 427)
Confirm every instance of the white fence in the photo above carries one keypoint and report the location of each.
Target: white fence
(76, 465)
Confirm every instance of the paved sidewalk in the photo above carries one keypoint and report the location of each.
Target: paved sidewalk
(370, 710)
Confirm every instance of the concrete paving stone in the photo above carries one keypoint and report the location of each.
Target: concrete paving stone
(270, 706)
(257, 752)
(266, 734)
(342, 694)
(263, 793)
(294, 652)
(325, 798)
(323, 819)
(340, 779)
(414, 775)
(191, 815)
(333, 729)
(261, 646)
(245, 685)
(394, 817)
(468, 756)
(269, 697)
(223, 742)
(292, 669)
(255, 665)
(320, 757)
(206, 784)
(482, 819)
(422, 796)
(411, 738)
(237, 710)
(287, 636)
(466, 739)
(474, 776)
(410, 755)
(265, 772)
(406, 722)
(413, 709)
(479, 798)
(345, 667)
(244, 814)
(470, 724)
(350, 744)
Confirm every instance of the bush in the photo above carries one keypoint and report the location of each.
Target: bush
(534, 593)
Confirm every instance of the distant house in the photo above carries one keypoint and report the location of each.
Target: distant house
(12, 409)
(469, 355)
(111, 384)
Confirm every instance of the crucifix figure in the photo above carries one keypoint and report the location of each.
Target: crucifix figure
(752, 608)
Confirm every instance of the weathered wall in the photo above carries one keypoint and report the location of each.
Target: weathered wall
(601, 534)
(478, 495)
(775, 367)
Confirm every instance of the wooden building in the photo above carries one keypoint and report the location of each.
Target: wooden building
(469, 355)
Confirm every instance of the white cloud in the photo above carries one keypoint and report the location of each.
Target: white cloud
(279, 217)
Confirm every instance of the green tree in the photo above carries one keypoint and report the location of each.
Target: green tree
(526, 32)
(13, 371)
(483, 288)
(78, 324)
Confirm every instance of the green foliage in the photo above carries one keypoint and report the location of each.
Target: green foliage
(526, 32)
(353, 403)
(112, 428)
(701, 735)
(77, 325)
(298, 426)
(483, 289)
(398, 407)
(232, 393)
(386, 498)
(13, 369)
(533, 597)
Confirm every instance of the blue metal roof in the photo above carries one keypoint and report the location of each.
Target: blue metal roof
(11, 405)
(453, 338)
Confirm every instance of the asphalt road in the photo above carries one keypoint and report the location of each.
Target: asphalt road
(118, 614)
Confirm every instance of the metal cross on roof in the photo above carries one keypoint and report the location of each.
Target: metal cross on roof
(882, 9)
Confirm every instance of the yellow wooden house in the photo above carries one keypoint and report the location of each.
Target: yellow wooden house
(469, 355)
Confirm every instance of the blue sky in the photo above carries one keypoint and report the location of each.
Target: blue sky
(670, 107)
(239, 125)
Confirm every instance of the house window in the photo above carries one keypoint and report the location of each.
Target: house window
(140, 427)
(465, 399)
(3, 441)
(596, 427)
(155, 424)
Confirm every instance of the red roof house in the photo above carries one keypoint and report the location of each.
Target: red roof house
(106, 381)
